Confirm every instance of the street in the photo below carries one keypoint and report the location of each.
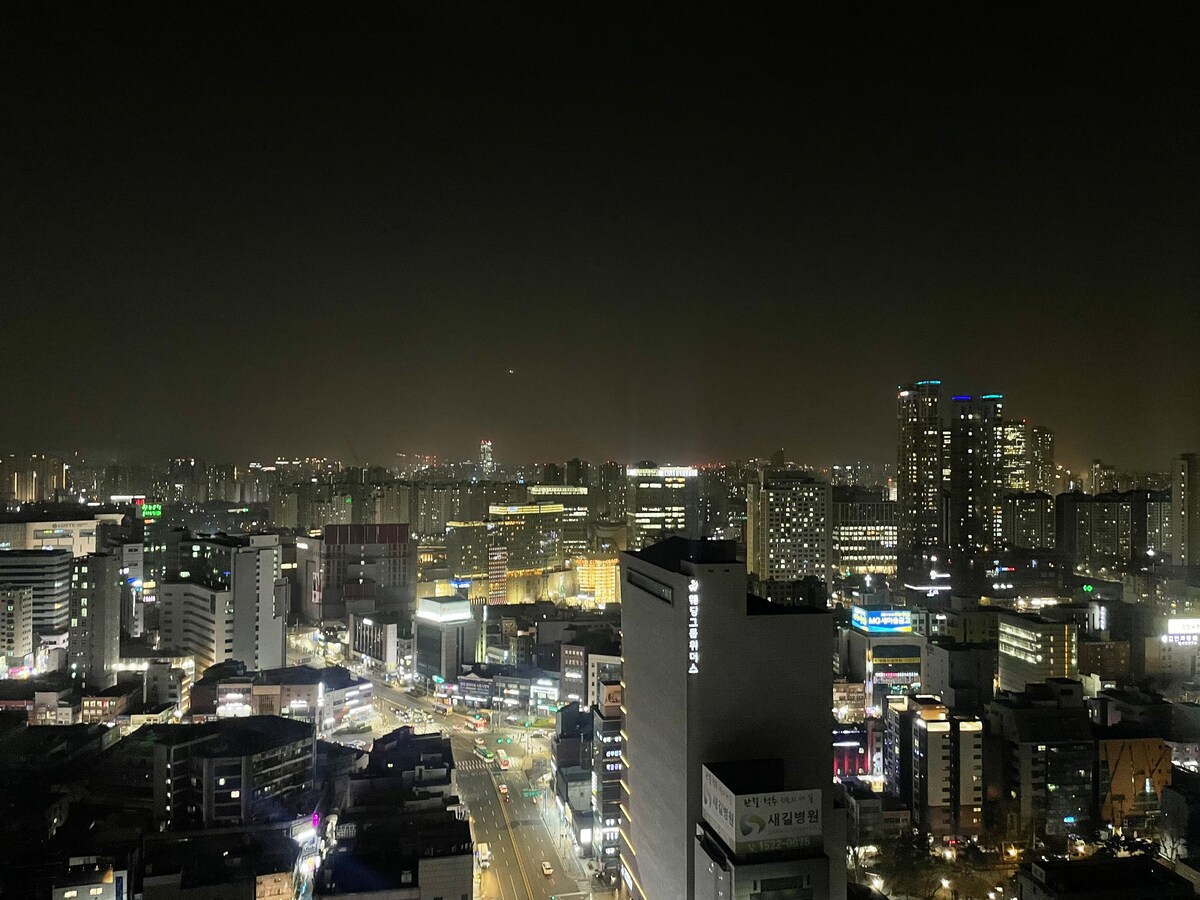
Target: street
(515, 830)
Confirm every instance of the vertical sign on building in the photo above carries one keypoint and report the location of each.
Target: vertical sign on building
(693, 627)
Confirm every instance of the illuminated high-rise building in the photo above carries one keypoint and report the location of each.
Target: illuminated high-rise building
(701, 744)
(977, 471)
(1041, 473)
(48, 574)
(1185, 510)
(576, 509)
(864, 531)
(487, 466)
(789, 527)
(661, 501)
(1015, 453)
(1029, 520)
(919, 466)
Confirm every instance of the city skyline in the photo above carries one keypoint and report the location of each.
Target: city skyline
(576, 234)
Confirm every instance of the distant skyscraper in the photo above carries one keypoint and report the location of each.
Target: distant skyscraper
(579, 472)
(919, 466)
(789, 527)
(1185, 510)
(1015, 453)
(976, 471)
(1041, 473)
(697, 746)
(487, 466)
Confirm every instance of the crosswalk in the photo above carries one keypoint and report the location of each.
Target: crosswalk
(474, 765)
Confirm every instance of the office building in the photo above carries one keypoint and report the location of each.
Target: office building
(704, 742)
(573, 522)
(1185, 510)
(919, 466)
(1015, 456)
(881, 651)
(467, 550)
(365, 568)
(16, 626)
(1028, 521)
(228, 600)
(1033, 649)
(445, 635)
(379, 640)
(789, 527)
(48, 574)
(487, 465)
(94, 645)
(661, 501)
(531, 535)
(864, 531)
(977, 471)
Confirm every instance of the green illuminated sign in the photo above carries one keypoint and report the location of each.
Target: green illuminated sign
(151, 510)
(1087, 588)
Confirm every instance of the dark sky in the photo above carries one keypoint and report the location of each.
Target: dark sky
(690, 235)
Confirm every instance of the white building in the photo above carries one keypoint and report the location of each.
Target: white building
(76, 535)
(48, 574)
(16, 624)
(240, 614)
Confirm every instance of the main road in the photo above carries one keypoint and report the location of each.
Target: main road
(514, 828)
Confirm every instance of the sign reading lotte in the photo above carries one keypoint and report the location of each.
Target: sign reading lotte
(759, 823)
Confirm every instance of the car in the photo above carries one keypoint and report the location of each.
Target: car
(479, 742)
(504, 791)
(547, 869)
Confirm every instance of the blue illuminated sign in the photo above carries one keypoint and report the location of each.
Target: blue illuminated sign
(881, 621)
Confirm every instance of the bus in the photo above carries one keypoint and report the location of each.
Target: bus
(485, 754)
(485, 855)
(502, 758)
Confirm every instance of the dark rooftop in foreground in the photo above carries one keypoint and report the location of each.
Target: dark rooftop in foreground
(753, 776)
(1099, 878)
(671, 552)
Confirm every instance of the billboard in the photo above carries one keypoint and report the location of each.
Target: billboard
(1183, 626)
(881, 621)
(759, 823)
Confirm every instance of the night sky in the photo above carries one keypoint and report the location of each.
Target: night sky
(269, 231)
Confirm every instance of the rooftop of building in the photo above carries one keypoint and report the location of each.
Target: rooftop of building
(759, 606)
(1092, 877)
(404, 749)
(57, 553)
(749, 776)
(211, 859)
(120, 689)
(234, 737)
(25, 688)
(672, 552)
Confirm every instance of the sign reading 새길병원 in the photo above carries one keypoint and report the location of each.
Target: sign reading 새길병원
(763, 822)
